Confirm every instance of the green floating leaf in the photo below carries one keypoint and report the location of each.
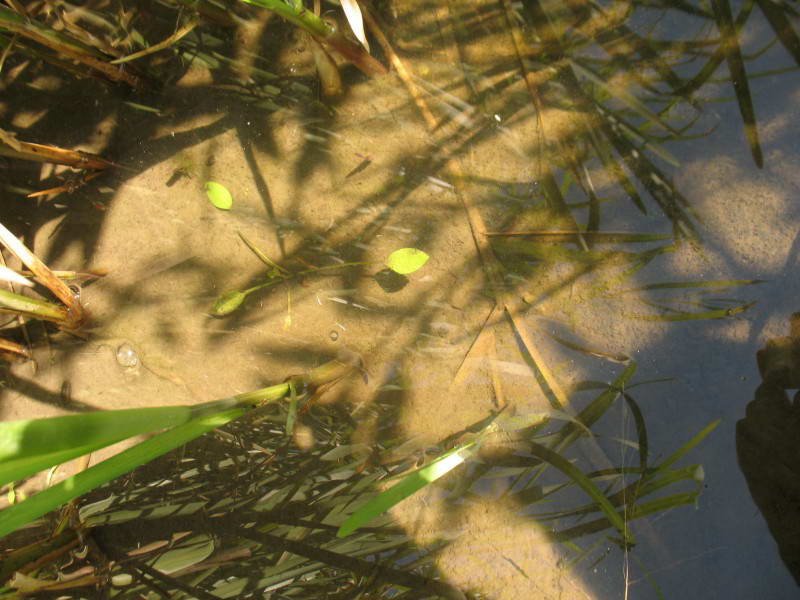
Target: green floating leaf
(219, 195)
(406, 260)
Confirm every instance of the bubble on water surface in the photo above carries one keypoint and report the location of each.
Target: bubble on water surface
(126, 355)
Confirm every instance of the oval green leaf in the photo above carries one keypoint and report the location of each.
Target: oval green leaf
(219, 195)
(406, 260)
(227, 303)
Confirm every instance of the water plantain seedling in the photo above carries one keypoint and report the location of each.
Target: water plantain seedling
(403, 262)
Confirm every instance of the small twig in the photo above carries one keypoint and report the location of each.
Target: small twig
(7, 51)
(182, 32)
(68, 187)
(400, 67)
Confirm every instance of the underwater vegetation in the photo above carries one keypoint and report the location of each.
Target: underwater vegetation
(221, 500)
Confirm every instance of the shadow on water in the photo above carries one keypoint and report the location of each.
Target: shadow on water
(766, 443)
(579, 261)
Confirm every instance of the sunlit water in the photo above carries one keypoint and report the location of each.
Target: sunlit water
(685, 267)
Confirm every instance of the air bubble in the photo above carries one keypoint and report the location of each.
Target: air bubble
(126, 356)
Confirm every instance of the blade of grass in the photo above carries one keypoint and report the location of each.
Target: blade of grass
(174, 38)
(596, 237)
(576, 475)
(641, 429)
(14, 517)
(720, 313)
(683, 450)
(263, 257)
(75, 314)
(32, 307)
(612, 165)
(622, 95)
(640, 510)
(782, 26)
(585, 349)
(733, 56)
(27, 447)
(696, 284)
(66, 45)
(592, 413)
(410, 484)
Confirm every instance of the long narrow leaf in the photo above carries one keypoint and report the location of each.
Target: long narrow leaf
(686, 447)
(622, 95)
(782, 26)
(410, 484)
(733, 55)
(697, 284)
(720, 313)
(27, 447)
(575, 474)
(16, 516)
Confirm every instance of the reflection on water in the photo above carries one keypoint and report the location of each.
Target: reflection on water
(605, 192)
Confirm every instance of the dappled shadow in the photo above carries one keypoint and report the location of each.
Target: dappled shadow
(549, 147)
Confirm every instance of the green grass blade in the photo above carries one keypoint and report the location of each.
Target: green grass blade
(612, 166)
(683, 450)
(40, 309)
(720, 313)
(640, 510)
(596, 409)
(733, 55)
(292, 414)
(639, 140)
(641, 429)
(575, 474)
(782, 26)
(588, 350)
(622, 95)
(410, 484)
(27, 447)
(296, 15)
(697, 284)
(16, 516)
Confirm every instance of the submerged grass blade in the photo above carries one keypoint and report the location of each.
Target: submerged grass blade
(720, 313)
(641, 429)
(776, 16)
(596, 409)
(683, 450)
(410, 484)
(612, 166)
(733, 56)
(640, 510)
(622, 95)
(577, 476)
(595, 237)
(726, 283)
(588, 350)
(32, 307)
(263, 257)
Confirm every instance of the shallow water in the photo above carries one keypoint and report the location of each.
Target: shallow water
(522, 126)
